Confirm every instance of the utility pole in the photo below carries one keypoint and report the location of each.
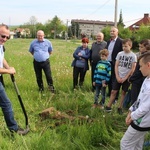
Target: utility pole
(116, 12)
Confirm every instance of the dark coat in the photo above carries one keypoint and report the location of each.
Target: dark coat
(86, 57)
(117, 48)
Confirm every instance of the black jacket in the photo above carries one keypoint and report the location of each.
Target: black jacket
(117, 48)
(137, 77)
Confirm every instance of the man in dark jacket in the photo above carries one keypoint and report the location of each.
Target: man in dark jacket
(114, 46)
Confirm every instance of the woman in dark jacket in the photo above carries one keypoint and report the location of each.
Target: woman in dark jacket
(80, 63)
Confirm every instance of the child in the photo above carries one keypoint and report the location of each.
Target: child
(124, 67)
(138, 117)
(80, 63)
(101, 77)
(137, 78)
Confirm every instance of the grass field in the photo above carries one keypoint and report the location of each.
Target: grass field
(103, 133)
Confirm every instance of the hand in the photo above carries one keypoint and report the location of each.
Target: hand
(104, 85)
(93, 83)
(11, 70)
(123, 80)
(119, 80)
(79, 54)
(128, 119)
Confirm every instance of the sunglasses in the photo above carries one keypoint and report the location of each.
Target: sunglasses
(4, 36)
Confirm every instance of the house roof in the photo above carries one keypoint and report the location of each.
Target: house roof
(81, 21)
(145, 20)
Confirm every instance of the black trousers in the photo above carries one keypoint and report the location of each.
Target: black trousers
(78, 73)
(93, 67)
(45, 66)
(111, 81)
(135, 90)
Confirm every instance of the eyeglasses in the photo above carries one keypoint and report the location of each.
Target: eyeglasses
(4, 36)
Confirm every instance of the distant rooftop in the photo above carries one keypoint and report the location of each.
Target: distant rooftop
(92, 22)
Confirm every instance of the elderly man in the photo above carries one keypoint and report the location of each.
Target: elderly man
(114, 46)
(100, 44)
(41, 49)
(5, 103)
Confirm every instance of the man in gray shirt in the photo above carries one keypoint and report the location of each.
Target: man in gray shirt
(100, 44)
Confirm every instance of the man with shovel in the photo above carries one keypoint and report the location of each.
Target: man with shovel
(5, 103)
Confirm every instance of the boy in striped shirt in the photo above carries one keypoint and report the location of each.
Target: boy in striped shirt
(102, 76)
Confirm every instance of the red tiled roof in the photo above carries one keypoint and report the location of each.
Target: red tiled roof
(145, 21)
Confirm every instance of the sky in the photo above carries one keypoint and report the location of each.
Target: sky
(18, 12)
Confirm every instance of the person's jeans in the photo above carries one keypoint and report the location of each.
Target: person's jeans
(38, 66)
(5, 104)
(99, 89)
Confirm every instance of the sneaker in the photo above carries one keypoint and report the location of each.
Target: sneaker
(21, 131)
(120, 111)
(108, 109)
(95, 106)
(41, 89)
(101, 106)
(52, 89)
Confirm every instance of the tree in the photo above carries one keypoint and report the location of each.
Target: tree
(56, 26)
(124, 33)
(75, 29)
(143, 33)
(32, 23)
(120, 23)
(106, 32)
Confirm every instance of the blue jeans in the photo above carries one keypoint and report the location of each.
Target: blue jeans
(5, 104)
(99, 88)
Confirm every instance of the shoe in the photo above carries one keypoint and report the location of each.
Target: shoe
(120, 111)
(95, 106)
(108, 109)
(41, 89)
(21, 131)
(52, 89)
(101, 107)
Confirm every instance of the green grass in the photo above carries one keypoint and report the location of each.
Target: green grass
(103, 133)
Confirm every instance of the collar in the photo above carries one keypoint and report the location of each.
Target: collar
(114, 39)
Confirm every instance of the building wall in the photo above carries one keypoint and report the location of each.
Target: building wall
(90, 29)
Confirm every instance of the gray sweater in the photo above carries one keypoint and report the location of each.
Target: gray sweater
(95, 49)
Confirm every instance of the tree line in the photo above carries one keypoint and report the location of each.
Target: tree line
(56, 28)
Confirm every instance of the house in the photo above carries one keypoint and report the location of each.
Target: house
(12, 34)
(20, 32)
(91, 27)
(144, 21)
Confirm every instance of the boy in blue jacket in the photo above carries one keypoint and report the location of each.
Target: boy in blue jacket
(138, 117)
(102, 76)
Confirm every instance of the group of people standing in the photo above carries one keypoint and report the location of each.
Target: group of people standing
(103, 53)
(114, 64)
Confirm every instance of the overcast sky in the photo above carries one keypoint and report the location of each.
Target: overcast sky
(17, 12)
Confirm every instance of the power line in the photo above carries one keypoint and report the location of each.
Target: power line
(98, 8)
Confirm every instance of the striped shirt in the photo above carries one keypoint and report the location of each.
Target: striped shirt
(102, 72)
